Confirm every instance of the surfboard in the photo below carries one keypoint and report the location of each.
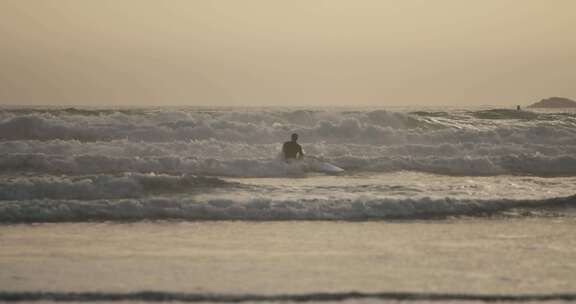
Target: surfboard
(310, 164)
(327, 168)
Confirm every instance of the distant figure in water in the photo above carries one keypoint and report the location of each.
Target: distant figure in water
(518, 107)
(292, 150)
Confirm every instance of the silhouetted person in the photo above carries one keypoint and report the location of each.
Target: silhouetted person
(291, 149)
(518, 108)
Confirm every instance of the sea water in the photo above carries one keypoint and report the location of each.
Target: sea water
(111, 203)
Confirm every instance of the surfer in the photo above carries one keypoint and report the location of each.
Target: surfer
(292, 150)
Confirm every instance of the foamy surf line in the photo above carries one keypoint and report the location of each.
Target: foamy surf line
(267, 209)
(459, 165)
(241, 142)
(159, 296)
(92, 187)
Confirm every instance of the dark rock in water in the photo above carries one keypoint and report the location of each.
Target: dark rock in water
(554, 102)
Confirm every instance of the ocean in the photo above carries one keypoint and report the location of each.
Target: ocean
(194, 204)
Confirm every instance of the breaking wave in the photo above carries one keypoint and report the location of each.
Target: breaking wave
(245, 142)
(268, 209)
(132, 185)
(270, 126)
(460, 165)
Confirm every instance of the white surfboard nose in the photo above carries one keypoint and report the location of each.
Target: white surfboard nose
(327, 168)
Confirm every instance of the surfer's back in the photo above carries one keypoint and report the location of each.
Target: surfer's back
(291, 149)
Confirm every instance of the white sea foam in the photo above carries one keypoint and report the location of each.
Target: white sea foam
(73, 164)
(265, 209)
(246, 142)
(523, 164)
(131, 185)
(368, 127)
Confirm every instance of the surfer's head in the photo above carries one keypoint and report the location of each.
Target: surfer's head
(294, 137)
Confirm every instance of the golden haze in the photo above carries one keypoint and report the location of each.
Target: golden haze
(298, 52)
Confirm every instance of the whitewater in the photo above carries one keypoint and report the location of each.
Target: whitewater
(194, 204)
(94, 164)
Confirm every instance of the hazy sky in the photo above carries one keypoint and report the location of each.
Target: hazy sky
(289, 52)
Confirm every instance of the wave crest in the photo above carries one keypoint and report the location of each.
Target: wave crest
(268, 126)
(92, 187)
(262, 209)
(522, 164)
(245, 142)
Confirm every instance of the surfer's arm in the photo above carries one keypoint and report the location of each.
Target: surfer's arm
(300, 153)
(284, 151)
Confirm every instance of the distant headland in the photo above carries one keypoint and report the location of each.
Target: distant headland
(554, 102)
